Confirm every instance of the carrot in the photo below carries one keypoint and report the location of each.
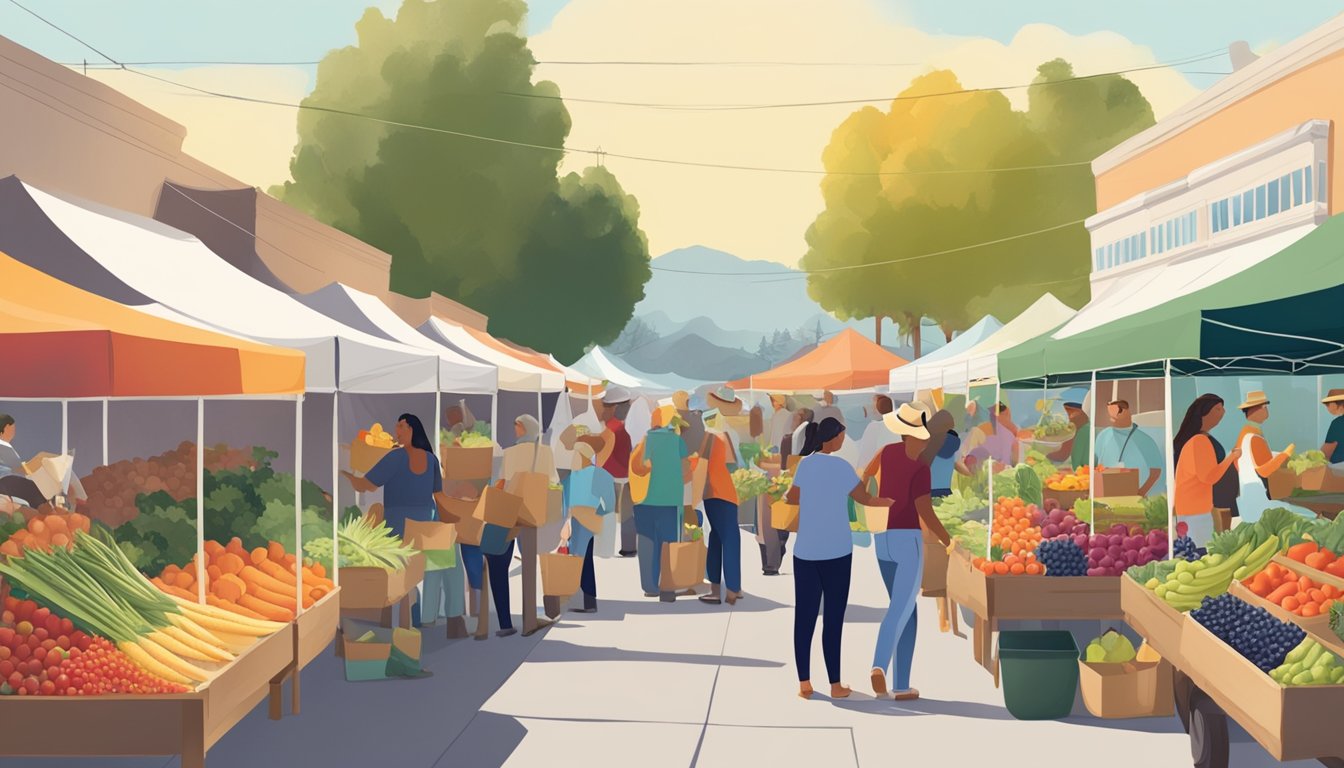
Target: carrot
(1310, 609)
(1299, 552)
(274, 598)
(320, 592)
(267, 610)
(253, 576)
(184, 579)
(170, 573)
(230, 562)
(1330, 590)
(1260, 585)
(1326, 604)
(213, 549)
(318, 570)
(258, 555)
(226, 589)
(172, 590)
(277, 572)
(1290, 603)
(1277, 597)
(1317, 560)
(232, 607)
(1316, 595)
(275, 551)
(213, 573)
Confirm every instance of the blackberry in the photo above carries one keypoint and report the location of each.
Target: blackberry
(1253, 632)
(1062, 557)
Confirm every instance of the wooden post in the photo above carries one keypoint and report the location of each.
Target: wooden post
(527, 544)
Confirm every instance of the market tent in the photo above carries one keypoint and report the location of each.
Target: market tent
(61, 342)
(144, 263)
(979, 362)
(598, 365)
(1279, 315)
(366, 312)
(515, 373)
(846, 362)
(927, 368)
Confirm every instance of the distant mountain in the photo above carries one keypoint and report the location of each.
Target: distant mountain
(694, 357)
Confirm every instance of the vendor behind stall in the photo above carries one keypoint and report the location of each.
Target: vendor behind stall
(1333, 448)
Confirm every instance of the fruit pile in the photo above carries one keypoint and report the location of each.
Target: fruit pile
(1010, 565)
(376, 437)
(1062, 557)
(1017, 527)
(44, 532)
(1253, 632)
(1060, 522)
(112, 489)
(1189, 583)
(1184, 547)
(1111, 648)
(1309, 664)
(1314, 556)
(1109, 554)
(1077, 480)
(1295, 594)
(42, 654)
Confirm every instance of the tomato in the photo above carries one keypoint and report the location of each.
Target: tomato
(24, 628)
(53, 625)
(40, 616)
(67, 627)
(6, 636)
(24, 610)
(33, 642)
(41, 633)
(40, 653)
(62, 680)
(47, 688)
(5, 652)
(63, 643)
(7, 617)
(15, 680)
(48, 643)
(32, 685)
(22, 652)
(11, 602)
(6, 669)
(71, 692)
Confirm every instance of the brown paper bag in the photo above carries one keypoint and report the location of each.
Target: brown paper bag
(560, 574)
(683, 565)
(533, 488)
(430, 536)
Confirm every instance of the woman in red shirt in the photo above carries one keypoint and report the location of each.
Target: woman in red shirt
(905, 479)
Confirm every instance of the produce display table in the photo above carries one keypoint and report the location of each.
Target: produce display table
(934, 584)
(1214, 682)
(187, 724)
(367, 591)
(1327, 505)
(1025, 598)
(314, 630)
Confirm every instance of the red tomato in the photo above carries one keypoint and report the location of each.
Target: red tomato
(5, 652)
(40, 632)
(53, 625)
(63, 643)
(24, 610)
(40, 615)
(40, 653)
(6, 635)
(11, 602)
(47, 688)
(48, 643)
(6, 669)
(33, 642)
(23, 652)
(15, 680)
(7, 617)
(32, 685)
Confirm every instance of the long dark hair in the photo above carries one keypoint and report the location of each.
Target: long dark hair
(1193, 423)
(818, 435)
(419, 439)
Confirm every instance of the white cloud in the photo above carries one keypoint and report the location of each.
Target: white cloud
(251, 142)
(764, 215)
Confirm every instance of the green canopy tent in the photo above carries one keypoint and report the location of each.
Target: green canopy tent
(1282, 316)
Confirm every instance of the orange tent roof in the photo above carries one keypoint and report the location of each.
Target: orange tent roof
(846, 362)
(529, 356)
(62, 342)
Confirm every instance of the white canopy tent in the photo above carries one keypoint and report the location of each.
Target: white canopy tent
(599, 365)
(515, 375)
(980, 361)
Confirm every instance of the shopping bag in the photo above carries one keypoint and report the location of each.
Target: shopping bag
(639, 479)
(469, 530)
(683, 565)
(498, 507)
(428, 536)
(495, 539)
(560, 574)
(455, 510)
(784, 516)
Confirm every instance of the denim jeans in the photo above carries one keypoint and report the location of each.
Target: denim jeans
(655, 526)
(820, 585)
(443, 594)
(900, 556)
(473, 562)
(723, 562)
(499, 584)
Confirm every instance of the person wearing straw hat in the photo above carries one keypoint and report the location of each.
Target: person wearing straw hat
(590, 500)
(615, 459)
(663, 458)
(1333, 448)
(725, 401)
(1257, 463)
(907, 481)
(723, 563)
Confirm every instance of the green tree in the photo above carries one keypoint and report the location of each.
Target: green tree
(489, 224)
(949, 244)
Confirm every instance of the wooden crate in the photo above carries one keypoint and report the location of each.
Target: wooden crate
(1054, 598)
(187, 724)
(1150, 616)
(1314, 624)
(364, 589)
(314, 630)
(1291, 723)
(936, 562)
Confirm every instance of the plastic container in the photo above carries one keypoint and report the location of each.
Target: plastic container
(1039, 671)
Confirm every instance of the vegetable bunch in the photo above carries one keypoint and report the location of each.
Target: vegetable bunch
(363, 544)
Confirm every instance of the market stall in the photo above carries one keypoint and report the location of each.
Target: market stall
(846, 362)
(194, 670)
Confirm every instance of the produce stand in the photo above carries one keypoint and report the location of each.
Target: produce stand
(314, 630)
(372, 589)
(1327, 505)
(1025, 598)
(1213, 682)
(184, 724)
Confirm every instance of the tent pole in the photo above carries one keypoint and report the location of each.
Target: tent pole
(105, 402)
(1092, 444)
(298, 504)
(200, 499)
(65, 427)
(335, 492)
(1171, 457)
(1319, 396)
(989, 464)
(494, 417)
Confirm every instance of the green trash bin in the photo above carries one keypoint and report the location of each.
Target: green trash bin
(1039, 673)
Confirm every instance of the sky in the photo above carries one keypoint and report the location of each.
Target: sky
(754, 215)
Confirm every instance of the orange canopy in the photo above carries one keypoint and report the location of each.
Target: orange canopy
(59, 341)
(846, 362)
(529, 356)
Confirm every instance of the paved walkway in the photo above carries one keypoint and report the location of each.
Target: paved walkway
(651, 684)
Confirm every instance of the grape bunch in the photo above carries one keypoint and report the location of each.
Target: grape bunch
(1062, 557)
(1058, 521)
(1185, 548)
(1253, 632)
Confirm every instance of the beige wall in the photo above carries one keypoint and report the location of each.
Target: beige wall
(1311, 93)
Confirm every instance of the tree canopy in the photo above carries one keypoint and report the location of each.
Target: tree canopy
(488, 223)
(954, 244)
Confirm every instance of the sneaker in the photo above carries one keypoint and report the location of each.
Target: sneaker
(909, 694)
(506, 632)
(626, 553)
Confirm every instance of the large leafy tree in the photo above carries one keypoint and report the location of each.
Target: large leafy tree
(948, 242)
(557, 264)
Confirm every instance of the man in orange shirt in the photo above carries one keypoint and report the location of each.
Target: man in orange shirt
(1257, 462)
(724, 559)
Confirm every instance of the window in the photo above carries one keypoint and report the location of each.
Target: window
(1236, 210)
(1260, 202)
(1097, 255)
(1248, 206)
(1194, 226)
(1272, 204)
(1297, 187)
(1307, 185)
(1285, 194)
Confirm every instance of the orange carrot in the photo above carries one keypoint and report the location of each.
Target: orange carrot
(227, 588)
(1299, 552)
(184, 579)
(213, 573)
(232, 606)
(277, 572)
(253, 576)
(1317, 560)
(1290, 603)
(269, 611)
(319, 570)
(258, 555)
(213, 549)
(1310, 609)
(231, 563)
(1287, 589)
(275, 551)
(172, 590)
(274, 598)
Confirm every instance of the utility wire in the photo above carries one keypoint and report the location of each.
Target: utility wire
(595, 63)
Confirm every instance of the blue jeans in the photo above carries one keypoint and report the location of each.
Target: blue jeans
(443, 594)
(900, 556)
(499, 584)
(725, 545)
(654, 526)
(473, 562)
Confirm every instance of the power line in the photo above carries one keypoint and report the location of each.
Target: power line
(549, 63)
(64, 32)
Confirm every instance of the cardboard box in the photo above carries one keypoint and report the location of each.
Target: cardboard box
(469, 530)
(498, 508)
(934, 580)
(874, 518)
(367, 588)
(457, 509)
(533, 489)
(1117, 482)
(1122, 691)
(1282, 483)
(1150, 616)
(429, 536)
(363, 456)
(467, 463)
(784, 516)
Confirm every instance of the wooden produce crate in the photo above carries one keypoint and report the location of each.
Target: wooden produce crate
(1316, 624)
(467, 463)
(187, 724)
(314, 630)
(1291, 723)
(1150, 616)
(936, 562)
(1054, 598)
(366, 589)
(1065, 499)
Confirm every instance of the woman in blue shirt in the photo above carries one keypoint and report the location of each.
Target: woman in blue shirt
(590, 498)
(410, 478)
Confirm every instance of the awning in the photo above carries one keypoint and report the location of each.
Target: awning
(598, 366)
(846, 362)
(366, 312)
(144, 263)
(927, 368)
(980, 362)
(1267, 313)
(58, 341)
(515, 374)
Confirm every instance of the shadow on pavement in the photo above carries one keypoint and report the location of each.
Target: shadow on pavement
(617, 610)
(488, 743)
(561, 651)
(966, 709)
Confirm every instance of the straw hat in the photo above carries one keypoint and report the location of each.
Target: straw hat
(1335, 396)
(615, 396)
(726, 400)
(908, 421)
(1255, 399)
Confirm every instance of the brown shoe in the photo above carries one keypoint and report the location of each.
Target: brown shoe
(909, 694)
(839, 691)
(879, 682)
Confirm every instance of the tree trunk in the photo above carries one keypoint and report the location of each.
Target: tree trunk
(947, 334)
(915, 334)
(878, 332)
